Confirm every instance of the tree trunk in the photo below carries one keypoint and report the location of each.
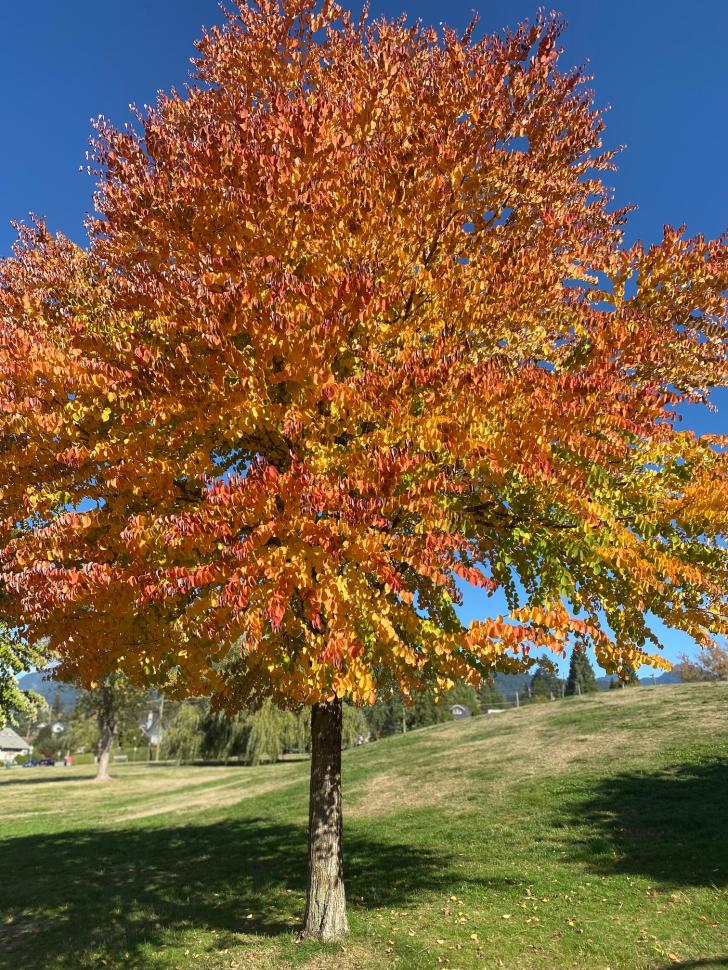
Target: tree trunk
(107, 715)
(326, 902)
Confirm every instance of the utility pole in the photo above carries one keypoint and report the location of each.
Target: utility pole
(159, 727)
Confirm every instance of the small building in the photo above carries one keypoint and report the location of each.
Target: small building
(459, 711)
(11, 745)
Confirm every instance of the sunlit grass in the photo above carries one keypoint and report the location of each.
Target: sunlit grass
(588, 833)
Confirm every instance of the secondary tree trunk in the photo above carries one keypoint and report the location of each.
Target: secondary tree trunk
(326, 901)
(107, 717)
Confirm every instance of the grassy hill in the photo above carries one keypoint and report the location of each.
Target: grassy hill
(587, 833)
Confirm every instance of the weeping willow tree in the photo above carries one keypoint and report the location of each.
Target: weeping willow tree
(267, 734)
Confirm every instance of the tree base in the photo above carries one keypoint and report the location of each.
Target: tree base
(325, 917)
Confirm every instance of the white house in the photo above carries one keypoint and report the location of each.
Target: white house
(11, 745)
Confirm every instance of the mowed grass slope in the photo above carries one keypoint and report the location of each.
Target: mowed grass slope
(588, 833)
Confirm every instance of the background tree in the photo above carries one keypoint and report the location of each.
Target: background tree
(82, 731)
(581, 678)
(353, 726)
(710, 664)
(545, 683)
(628, 676)
(223, 735)
(17, 705)
(117, 706)
(267, 734)
(183, 738)
(357, 325)
(387, 716)
(298, 730)
(434, 707)
(57, 711)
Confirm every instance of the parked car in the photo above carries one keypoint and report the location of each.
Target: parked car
(39, 762)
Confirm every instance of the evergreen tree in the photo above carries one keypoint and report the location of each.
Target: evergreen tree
(390, 715)
(387, 716)
(426, 711)
(581, 678)
(628, 676)
(57, 709)
(545, 684)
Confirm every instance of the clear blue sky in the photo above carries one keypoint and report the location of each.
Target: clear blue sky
(660, 64)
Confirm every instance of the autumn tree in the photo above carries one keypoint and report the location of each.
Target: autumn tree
(710, 664)
(357, 325)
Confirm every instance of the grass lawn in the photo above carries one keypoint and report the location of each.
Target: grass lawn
(589, 833)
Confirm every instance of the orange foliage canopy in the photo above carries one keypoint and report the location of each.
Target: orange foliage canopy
(357, 326)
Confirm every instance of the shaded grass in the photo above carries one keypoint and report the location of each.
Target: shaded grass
(582, 834)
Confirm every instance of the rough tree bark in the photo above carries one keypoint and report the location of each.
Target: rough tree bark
(325, 917)
(107, 717)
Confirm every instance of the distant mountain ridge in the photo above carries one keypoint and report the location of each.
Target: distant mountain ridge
(41, 682)
(669, 677)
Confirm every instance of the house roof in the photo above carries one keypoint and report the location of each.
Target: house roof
(11, 741)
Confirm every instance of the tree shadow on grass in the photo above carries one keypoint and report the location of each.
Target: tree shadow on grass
(37, 780)
(668, 825)
(74, 899)
(704, 963)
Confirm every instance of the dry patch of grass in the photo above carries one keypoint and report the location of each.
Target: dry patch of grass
(442, 764)
(219, 796)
